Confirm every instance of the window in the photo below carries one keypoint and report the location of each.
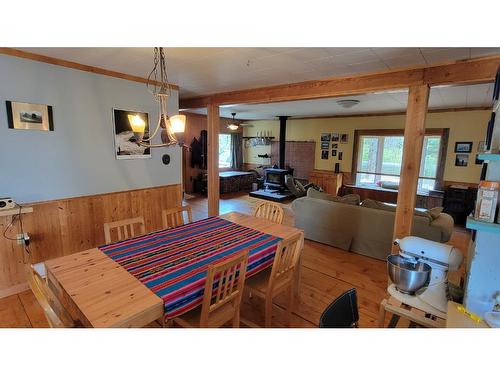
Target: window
(379, 159)
(225, 154)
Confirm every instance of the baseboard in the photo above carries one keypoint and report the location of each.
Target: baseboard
(15, 289)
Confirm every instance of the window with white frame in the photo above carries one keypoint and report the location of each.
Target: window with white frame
(379, 159)
(225, 153)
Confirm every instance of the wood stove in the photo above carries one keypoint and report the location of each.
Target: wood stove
(275, 178)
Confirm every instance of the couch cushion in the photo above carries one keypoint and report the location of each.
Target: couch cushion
(353, 199)
(431, 214)
(435, 212)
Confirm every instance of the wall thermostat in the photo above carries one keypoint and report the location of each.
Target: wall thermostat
(7, 204)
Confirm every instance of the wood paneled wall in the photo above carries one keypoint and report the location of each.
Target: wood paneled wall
(66, 226)
(195, 123)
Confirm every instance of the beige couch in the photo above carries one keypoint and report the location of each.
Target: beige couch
(363, 230)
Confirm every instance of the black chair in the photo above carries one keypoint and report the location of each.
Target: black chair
(342, 313)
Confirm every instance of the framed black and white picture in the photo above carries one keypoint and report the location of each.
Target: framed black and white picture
(29, 116)
(344, 138)
(325, 137)
(335, 145)
(340, 154)
(334, 153)
(335, 137)
(325, 145)
(324, 154)
(463, 147)
(126, 141)
(461, 160)
(481, 146)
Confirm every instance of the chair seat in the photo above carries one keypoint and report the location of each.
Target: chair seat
(191, 319)
(258, 283)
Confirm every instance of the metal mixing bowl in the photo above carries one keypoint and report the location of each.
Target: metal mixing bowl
(408, 277)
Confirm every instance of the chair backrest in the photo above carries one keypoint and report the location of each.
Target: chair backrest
(342, 312)
(285, 263)
(223, 291)
(270, 211)
(174, 217)
(54, 311)
(124, 229)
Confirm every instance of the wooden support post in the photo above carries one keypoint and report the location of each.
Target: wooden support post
(213, 159)
(412, 153)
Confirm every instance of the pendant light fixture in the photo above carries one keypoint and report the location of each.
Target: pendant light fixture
(233, 125)
(158, 85)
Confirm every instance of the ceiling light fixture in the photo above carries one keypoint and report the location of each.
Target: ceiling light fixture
(347, 103)
(158, 85)
(233, 126)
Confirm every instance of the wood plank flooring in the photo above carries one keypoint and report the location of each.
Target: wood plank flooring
(325, 274)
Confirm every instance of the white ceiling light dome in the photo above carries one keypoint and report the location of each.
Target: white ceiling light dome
(347, 103)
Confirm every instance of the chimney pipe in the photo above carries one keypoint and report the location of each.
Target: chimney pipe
(282, 140)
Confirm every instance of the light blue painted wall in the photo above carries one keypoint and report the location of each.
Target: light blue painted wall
(78, 157)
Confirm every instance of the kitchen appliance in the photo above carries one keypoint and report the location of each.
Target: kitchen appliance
(7, 204)
(412, 283)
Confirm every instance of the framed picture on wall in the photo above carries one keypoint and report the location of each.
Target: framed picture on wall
(461, 160)
(126, 144)
(335, 137)
(478, 161)
(325, 145)
(334, 153)
(341, 154)
(325, 137)
(335, 145)
(463, 147)
(344, 138)
(324, 154)
(29, 116)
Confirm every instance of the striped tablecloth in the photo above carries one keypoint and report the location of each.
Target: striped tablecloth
(173, 263)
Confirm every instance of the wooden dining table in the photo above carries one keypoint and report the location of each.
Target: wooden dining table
(99, 292)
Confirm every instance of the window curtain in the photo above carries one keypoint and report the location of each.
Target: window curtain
(236, 151)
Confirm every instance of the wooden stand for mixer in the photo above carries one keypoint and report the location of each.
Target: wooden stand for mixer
(401, 310)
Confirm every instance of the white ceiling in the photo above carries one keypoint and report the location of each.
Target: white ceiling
(202, 71)
(471, 96)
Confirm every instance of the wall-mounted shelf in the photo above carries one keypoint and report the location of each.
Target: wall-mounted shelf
(486, 156)
(15, 211)
(481, 225)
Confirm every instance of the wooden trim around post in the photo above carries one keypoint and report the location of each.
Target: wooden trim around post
(416, 112)
(213, 159)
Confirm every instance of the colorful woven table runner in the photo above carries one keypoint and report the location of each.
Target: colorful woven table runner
(173, 263)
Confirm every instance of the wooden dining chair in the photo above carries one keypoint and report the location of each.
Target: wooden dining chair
(222, 295)
(174, 217)
(281, 278)
(54, 311)
(270, 211)
(124, 229)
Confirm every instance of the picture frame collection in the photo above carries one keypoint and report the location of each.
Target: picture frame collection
(462, 151)
(330, 145)
(39, 117)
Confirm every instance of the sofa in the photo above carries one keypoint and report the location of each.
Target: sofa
(344, 223)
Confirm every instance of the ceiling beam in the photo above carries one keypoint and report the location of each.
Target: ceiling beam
(470, 71)
(75, 65)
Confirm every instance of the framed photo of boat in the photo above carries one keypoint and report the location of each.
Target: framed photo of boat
(29, 116)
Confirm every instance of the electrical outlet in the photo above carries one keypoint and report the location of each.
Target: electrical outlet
(23, 239)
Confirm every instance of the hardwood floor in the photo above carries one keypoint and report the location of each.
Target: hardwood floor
(326, 272)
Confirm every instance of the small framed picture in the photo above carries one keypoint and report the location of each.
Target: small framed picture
(334, 153)
(461, 160)
(344, 138)
(341, 154)
(335, 137)
(324, 154)
(335, 145)
(478, 161)
(463, 147)
(481, 146)
(29, 116)
(126, 144)
(325, 145)
(325, 137)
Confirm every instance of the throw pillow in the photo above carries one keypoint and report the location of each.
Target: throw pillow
(435, 212)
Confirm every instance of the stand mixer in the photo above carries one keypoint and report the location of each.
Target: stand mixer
(432, 297)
